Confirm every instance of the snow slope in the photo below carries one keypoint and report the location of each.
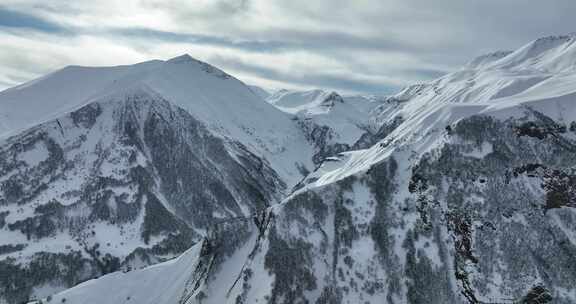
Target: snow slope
(263, 93)
(139, 286)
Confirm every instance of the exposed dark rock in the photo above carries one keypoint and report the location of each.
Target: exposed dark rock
(3, 216)
(537, 295)
(87, 115)
(9, 248)
(369, 139)
(529, 169)
(289, 262)
(17, 281)
(533, 129)
(560, 189)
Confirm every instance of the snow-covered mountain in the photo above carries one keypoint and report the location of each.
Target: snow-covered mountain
(114, 168)
(460, 190)
(334, 123)
(224, 104)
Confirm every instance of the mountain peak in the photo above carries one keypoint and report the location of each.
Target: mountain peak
(332, 99)
(188, 61)
(181, 59)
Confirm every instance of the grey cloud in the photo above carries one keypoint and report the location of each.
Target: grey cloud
(276, 41)
(247, 45)
(185, 10)
(19, 20)
(431, 37)
(424, 73)
(312, 79)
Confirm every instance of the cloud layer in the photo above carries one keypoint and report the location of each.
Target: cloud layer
(361, 46)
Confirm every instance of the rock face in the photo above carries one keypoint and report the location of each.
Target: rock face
(461, 190)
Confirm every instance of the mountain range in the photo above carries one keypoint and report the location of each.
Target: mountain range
(174, 182)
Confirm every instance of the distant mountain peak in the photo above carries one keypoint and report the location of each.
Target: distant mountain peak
(332, 99)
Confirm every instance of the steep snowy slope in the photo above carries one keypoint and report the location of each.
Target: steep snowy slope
(59, 93)
(554, 54)
(263, 93)
(212, 271)
(468, 198)
(140, 286)
(315, 101)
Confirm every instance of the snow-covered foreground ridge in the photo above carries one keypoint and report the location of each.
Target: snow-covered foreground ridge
(139, 286)
(460, 190)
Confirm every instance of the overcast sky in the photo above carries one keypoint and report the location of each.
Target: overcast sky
(362, 46)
